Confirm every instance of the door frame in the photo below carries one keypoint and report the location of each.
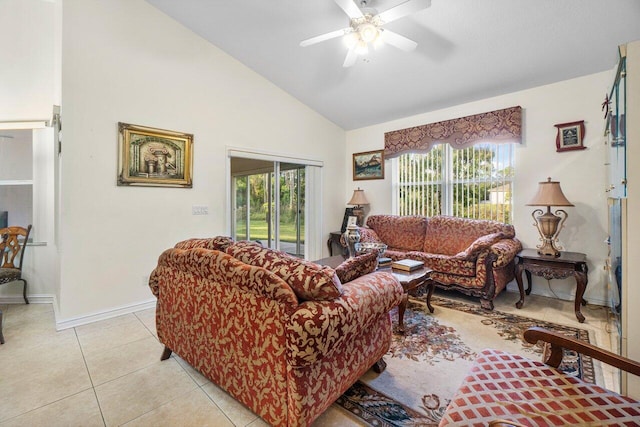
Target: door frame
(313, 190)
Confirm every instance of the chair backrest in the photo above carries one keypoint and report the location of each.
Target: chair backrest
(14, 241)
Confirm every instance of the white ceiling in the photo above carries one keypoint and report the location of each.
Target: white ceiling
(467, 49)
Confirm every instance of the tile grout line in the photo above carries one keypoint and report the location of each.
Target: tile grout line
(86, 366)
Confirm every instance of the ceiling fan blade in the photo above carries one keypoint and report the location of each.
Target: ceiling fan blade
(404, 9)
(395, 39)
(322, 37)
(351, 57)
(350, 8)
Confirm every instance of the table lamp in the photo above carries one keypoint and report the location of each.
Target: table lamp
(358, 199)
(549, 225)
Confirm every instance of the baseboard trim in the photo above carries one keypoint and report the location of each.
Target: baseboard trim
(62, 324)
(33, 299)
(591, 299)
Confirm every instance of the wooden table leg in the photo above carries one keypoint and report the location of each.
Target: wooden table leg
(401, 309)
(581, 283)
(1, 336)
(528, 273)
(430, 287)
(519, 268)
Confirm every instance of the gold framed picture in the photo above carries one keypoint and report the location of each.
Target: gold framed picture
(368, 165)
(154, 157)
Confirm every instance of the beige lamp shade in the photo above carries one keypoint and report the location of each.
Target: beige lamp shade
(358, 198)
(549, 225)
(549, 194)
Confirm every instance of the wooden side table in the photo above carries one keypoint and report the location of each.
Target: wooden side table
(334, 239)
(566, 265)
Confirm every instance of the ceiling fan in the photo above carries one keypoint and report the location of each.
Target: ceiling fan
(365, 27)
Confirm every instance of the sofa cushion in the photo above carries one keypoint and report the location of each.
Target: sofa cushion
(446, 263)
(309, 281)
(400, 232)
(358, 266)
(451, 235)
(218, 243)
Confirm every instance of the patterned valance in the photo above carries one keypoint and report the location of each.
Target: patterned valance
(494, 126)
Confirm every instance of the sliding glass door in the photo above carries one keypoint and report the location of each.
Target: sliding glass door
(269, 203)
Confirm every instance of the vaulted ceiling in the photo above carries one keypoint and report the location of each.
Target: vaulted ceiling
(467, 49)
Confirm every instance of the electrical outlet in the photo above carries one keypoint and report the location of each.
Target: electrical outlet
(199, 210)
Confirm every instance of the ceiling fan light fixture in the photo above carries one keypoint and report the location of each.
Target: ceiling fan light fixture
(368, 32)
(362, 48)
(350, 39)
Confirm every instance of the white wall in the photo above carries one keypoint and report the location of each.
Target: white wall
(27, 86)
(581, 173)
(123, 60)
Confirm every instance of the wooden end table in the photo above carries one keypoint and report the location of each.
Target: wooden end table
(409, 281)
(566, 265)
(334, 239)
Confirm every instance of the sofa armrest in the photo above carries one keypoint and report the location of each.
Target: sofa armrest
(367, 235)
(482, 243)
(506, 250)
(154, 284)
(559, 342)
(316, 328)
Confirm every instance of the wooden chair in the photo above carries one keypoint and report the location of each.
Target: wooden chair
(503, 389)
(12, 247)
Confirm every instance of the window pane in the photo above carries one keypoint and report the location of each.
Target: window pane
(473, 182)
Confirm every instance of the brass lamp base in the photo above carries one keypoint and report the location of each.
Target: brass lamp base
(549, 226)
(548, 249)
(359, 213)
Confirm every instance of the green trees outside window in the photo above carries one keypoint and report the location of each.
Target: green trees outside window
(473, 182)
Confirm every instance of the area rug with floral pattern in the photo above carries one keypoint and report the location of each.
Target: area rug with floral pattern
(427, 364)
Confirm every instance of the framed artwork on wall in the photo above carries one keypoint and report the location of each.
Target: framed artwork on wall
(368, 165)
(154, 157)
(570, 136)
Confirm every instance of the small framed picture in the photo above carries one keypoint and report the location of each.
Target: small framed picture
(348, 213)
(368, 165)
(570, 136)
(353, 220)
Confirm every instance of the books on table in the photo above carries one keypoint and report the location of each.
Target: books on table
(407, 265)
(384, 262)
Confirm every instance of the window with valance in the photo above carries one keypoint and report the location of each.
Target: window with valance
(460, 167)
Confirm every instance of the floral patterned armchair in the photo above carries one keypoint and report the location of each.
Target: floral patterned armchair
(283, 336)
(475, 257)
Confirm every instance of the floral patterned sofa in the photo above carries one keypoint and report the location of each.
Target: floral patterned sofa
(475, 257)
(283, 336)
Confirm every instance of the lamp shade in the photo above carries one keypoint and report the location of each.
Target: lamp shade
(358, 198)
(549, 194)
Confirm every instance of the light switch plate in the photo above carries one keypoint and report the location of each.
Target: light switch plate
(199, 210)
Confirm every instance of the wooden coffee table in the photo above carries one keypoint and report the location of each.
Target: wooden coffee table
(409, 281)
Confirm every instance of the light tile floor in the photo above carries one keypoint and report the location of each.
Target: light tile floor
(109, 373)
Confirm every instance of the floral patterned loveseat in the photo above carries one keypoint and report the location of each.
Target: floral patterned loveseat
(475, 257)
(283, 336)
